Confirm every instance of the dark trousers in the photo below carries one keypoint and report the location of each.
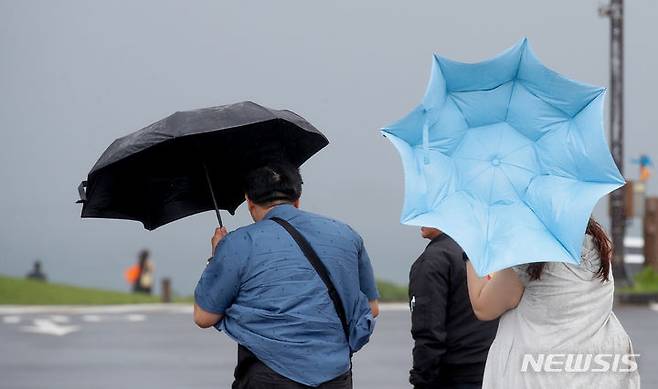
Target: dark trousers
(251, 373)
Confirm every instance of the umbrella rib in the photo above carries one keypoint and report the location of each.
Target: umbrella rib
(570, 150)
(460, 110)
(486, 240)
(479, 89)
(514, 187)
(588, 103)
(558, 108)
(547, 103)
(515, 150)
(535, 213)
(484, 147)
(551, 130)
(471, 159)
(493, 182)
(519, 167)
(477, 176)
(509, 101)
(515, 80)
(500, 140)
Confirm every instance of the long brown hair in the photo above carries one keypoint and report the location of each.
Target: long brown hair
(603, 246)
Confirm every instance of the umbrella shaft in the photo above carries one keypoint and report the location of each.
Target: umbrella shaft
(212, 194)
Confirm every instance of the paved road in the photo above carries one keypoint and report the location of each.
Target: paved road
(155, 349)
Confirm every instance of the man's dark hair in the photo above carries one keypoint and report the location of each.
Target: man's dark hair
(274, 182)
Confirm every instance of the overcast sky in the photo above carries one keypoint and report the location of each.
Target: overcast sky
(75, 75)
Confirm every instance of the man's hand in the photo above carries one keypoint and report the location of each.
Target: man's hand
(220, 233)
(374, 307)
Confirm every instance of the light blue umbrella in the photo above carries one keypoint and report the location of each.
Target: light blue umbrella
(506, 156)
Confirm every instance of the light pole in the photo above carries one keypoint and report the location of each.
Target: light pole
(615, 11)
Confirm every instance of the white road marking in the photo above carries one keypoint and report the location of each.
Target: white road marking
(135, 317)
(91, 318)
(59, 318)
(45, 326)
(11, 319)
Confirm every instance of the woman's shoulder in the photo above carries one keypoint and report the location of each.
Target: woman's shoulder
(585, 269)
(590, 259)
(522, 272)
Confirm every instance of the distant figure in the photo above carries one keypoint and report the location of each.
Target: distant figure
(645, 163)
(140, 275)
(36, 273)
(450, 343)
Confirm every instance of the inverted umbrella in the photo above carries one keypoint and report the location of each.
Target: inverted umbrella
(507, 157)
(193, 161)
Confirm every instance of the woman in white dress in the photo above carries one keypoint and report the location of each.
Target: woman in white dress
(557, 328)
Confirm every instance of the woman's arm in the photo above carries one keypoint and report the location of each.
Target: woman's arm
(491, 298)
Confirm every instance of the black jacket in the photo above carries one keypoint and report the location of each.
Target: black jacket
(450, 343)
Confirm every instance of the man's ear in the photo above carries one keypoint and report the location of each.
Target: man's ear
(295, 203)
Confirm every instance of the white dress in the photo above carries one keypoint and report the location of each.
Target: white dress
(566, 312)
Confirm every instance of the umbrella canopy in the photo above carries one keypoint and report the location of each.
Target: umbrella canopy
(184, 163)
(507, 157)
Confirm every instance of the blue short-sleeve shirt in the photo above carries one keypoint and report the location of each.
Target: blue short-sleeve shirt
(276, 305)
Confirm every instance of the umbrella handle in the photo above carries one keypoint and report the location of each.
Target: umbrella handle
(212, 194)
(82, 192)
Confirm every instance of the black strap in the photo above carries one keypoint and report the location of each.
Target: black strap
(319, 267)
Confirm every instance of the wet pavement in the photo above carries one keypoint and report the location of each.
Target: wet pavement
(154, 348)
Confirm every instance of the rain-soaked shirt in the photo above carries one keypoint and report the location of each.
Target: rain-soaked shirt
(275, 304)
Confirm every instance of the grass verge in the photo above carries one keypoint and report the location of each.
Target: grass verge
(17, 291)
(646, 281)
(390, 292)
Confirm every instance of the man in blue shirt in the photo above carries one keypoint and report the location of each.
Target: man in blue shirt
(264, 293)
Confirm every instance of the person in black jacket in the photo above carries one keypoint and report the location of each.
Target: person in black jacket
(450, 343)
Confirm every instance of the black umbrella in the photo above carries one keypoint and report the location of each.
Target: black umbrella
(193, 161)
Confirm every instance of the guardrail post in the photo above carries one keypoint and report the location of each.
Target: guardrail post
(166, 290)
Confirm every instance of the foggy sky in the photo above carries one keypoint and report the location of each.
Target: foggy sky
(75, 75)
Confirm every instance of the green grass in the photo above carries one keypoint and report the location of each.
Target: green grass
(18, 291)
(390, 292)
(645, 281)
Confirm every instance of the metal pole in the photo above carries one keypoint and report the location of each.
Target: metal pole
(615, 11)
(650, 232)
